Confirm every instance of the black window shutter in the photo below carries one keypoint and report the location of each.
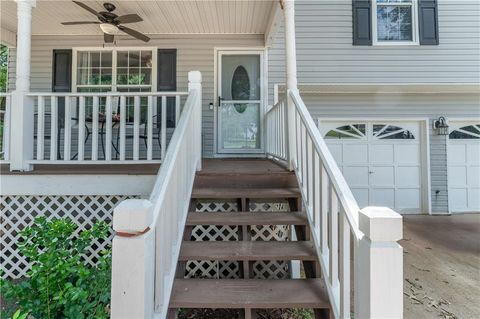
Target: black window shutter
(428, 22)
(362, 22)
(167, 80)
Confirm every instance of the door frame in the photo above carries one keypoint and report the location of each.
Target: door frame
(425, 180)
(262, 52)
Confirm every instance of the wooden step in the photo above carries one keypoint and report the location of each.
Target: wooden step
(247, 250)
(246, 180)
(249, 293)
(212, 193)
(246, 218)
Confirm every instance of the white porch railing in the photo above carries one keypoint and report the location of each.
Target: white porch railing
(336, 221)
(100, 128)
(5, 127)
(149, 232)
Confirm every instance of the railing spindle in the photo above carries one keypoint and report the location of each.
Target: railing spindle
(177, 109)
(81, 128)
(67, 131)
(333, 233)
(40, 128)
(53, 128)
(136, 128)
(344, 266)
(123, 121)
(95, 114)
(108, 129)
(163, 127)
(149, 128)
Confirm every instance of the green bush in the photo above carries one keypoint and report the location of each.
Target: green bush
(60, 283)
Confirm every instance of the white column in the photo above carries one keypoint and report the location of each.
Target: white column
(21, 136)
(133, 260)
(195, 84)
(379, 263)
(291, 67)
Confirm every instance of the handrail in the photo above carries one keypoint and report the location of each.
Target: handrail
(276, 137)
(153, 229)
(90, 94)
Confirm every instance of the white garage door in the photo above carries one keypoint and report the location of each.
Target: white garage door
(464, 167)
(380, 161)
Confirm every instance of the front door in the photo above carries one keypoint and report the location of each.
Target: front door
(239, 102)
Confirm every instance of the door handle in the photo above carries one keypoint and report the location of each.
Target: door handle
(220, 99)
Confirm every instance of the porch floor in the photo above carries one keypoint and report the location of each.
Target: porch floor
(211, 166)
(442, 266)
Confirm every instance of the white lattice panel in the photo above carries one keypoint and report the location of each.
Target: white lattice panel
(17, 212)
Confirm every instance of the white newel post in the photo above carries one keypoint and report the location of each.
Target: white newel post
(291, 67)
(21, 134)
(195, 83)
(133, 260)
(380, 265)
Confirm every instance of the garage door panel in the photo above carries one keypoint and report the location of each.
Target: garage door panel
(407, 154)
(457, 176)
(473, 153)
(336, 150)
(474, 199)
(381, 154)
(361, 195)
(473, 176)
(357, 154)
(457, 154)
(458, 198)
(356, 175)
(383, 197)
(407, 198)
(382, 176)
(407, 176)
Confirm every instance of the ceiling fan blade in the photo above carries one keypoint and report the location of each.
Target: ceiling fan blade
(134, 33)
(129, 18)
(80, 22)
(108, 38)
(87, 8)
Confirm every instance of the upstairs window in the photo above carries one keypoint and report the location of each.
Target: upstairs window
(395, 22)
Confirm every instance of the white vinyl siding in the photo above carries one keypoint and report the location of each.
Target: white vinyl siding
(193, 53)
(325, 52)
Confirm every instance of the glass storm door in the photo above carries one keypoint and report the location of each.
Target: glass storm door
(239, 103)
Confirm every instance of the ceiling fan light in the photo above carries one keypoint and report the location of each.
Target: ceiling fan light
(109, 28)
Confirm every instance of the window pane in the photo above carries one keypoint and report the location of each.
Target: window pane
(106, 77)
(394, 1)
(122, 76)
(106, 59)
(82, 59)
(94, 78)
(394, 23)
(134, 59)
(134, 76)
(82, 76)
(94, 59)
(146, 59)
(122, 59)
(146, 76)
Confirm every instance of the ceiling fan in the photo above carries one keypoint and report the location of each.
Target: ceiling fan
(110, 23)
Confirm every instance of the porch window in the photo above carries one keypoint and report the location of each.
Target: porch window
(115, 71)
(395, 22)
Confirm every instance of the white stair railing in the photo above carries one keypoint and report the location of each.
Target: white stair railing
(101, 128)
(149, 232)
(5, 127)
(336, 221)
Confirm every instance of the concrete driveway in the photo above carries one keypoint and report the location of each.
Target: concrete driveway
(442, 266)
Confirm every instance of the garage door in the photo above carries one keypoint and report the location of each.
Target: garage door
(380, 161)
(464, 167)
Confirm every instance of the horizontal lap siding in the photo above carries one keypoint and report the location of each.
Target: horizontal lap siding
(325, 52)
(422, 106)
(193, 53)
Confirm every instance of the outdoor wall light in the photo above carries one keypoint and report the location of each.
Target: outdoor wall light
(440, 126)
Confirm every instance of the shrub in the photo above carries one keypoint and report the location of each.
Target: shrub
(60, 283)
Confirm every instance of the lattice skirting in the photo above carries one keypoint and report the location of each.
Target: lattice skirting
(17, 212)
(231, 269)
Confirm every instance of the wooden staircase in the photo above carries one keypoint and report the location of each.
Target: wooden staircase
(243, 181)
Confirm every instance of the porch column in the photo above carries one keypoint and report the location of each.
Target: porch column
(21, 137)
(291, 67)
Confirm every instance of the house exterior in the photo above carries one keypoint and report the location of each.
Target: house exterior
(350, 95)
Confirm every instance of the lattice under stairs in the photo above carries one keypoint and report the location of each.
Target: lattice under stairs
(238, 249)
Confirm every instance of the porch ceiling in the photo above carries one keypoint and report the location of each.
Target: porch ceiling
(160, 17)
